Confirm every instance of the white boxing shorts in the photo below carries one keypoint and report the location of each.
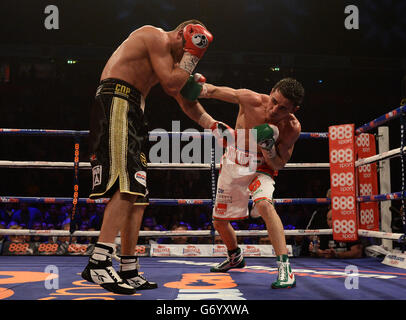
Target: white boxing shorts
(242, 175)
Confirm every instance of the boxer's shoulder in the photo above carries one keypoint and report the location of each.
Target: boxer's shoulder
(151, 33)
(249, 98)
(290, 129)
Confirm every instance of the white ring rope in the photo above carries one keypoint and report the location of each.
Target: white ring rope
(190, 233)
(195, 166)
(195, 233)
(382, 156)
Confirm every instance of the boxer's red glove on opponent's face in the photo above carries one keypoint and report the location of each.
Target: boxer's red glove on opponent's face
(197, 40)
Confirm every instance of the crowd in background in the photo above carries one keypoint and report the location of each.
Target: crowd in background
(174, 185)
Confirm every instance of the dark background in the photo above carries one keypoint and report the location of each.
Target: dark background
(350, 76)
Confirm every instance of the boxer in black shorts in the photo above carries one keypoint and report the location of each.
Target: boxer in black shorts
(118, 136)
(118, 141)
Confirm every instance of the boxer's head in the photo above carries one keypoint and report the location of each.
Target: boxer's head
(181, 26)
(329, 218)
(179, 36)
(286, 97)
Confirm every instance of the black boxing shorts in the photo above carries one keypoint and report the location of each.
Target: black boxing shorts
(118, 141)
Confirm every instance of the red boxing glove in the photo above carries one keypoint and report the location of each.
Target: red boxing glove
(224, 134)
(197, 40)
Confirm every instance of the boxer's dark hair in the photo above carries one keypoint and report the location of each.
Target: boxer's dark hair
(185, 23)
(291, 89)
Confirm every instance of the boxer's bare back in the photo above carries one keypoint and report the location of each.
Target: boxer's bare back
(145, 58)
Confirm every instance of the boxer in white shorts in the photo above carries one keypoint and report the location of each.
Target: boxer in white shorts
(242, 175)
(271, 121)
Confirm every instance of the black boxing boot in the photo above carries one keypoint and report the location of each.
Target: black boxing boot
(100, 270)
(235, 260)
(129, 272)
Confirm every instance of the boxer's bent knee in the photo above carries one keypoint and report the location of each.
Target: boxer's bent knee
(264, 206)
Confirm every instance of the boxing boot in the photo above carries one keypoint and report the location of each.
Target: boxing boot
(129, 272)
(286, 278)
(234, 260)
(100, 270)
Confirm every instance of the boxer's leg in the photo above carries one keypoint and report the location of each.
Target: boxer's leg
(262, 196)
(129, 262)
(100, 269)
(131, 228)
(235, 258)
(226, 233)
(274, 226)
(117, 211)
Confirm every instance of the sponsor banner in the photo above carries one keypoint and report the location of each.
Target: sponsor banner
(343, 182)
(63, 248)
(183, 250)
(208, 250)
(262, 250)
(367, 182)
(43, 248)
(395, 260)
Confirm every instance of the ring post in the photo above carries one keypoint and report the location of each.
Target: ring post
(403, 159)
(213, 184)
(73, 219)
(384, 184)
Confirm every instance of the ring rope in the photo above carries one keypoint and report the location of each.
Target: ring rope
(156, 166)
(381, 120)
(207, 202)
(379, 157)
(152, 201)
(202, 166)
(196, 233)
(67, 133)
(304, 135)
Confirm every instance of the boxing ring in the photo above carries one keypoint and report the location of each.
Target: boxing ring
(56, 277)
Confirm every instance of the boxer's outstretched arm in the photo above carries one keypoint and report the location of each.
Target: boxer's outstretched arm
(227, 94)
(194, 110)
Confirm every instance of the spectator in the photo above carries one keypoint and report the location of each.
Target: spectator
(53, 216)
(27, 215)
(96, 219)
(181, 226)
(264, 240)
(67, 239)
(329, 248)
(65, 212)
(206, 240)
(52, 239)
(84, 226)
(82, 216)
(12, 226)
(318, 218)
(2, 238)
(148, 224)
(6, 213)
(36, 238)
(160, 227)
